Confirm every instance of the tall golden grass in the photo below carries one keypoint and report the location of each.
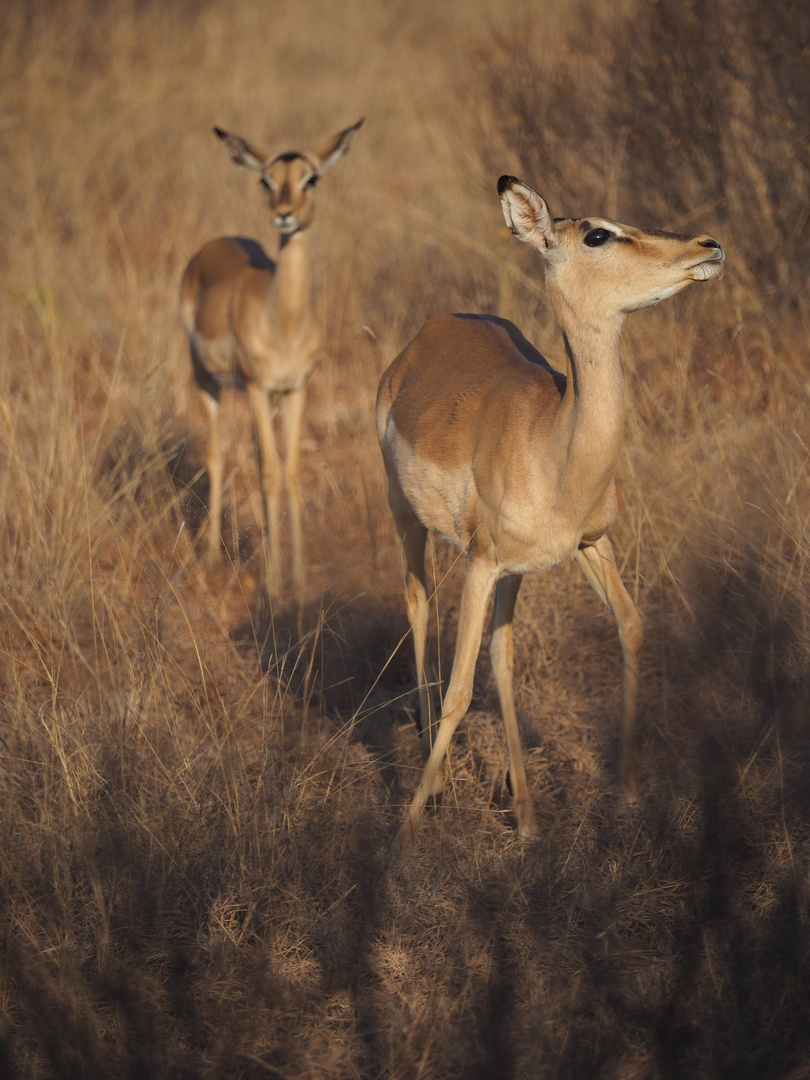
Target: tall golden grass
(196, 804)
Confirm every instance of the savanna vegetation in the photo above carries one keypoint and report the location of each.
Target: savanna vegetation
(199, 793)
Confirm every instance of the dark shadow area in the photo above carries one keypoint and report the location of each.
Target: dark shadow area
(752, 636)
(190, 481)
(143, 945)
(241, 546)
(740, 996)
(228, 927)
(346, 661)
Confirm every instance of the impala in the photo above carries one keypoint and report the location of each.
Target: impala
(250, 324)
(513, 462)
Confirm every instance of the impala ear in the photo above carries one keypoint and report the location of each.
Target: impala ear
(526, 214)
(337, 147)
(241, 152)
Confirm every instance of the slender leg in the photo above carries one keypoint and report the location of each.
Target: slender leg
(270, 478)
(474, 599)
(413, 535)
(209, 395)
(293, 415)
(501, 653)
(413, 541)
(599, 567)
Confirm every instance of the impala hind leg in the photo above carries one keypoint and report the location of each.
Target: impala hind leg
(270, 480)
(599, 567)
(292, 408)
(413, 535)
(501, 652)
(478, 587)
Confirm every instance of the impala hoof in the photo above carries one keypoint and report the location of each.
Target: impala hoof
(529, 832)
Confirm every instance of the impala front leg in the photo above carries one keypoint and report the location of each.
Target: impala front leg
(598, 564)
(501, 651)
(472, 615)
(270, 479)
(293, 417)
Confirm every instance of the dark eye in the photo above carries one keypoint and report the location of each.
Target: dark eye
(597, 237)
(313, 180)
(265, 183)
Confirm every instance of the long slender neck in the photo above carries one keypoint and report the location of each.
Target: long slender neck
(596, 413)
(292, 294)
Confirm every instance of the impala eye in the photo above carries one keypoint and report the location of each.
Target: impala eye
(266, 183)
(313, 180)
(597, 237)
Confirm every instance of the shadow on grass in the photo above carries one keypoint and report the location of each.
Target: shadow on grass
(344, 661)
(242, 544)
(240, 922)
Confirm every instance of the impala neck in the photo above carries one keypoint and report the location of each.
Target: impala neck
(596, 412)
(292, 283)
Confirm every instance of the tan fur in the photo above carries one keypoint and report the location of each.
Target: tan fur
(250, 323)
(513, 462)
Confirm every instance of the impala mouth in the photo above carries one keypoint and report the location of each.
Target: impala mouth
(710, 266)
(286, 226)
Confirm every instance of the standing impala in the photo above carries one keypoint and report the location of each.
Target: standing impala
(513, 462)
(249, 323)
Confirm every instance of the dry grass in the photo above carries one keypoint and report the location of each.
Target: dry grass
(193, 879)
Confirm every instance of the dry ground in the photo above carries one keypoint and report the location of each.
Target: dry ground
(197, 802)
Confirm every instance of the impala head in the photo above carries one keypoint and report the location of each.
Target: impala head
(289, 179)
(597, 265)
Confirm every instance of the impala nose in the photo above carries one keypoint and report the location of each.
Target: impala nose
(716, 253)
